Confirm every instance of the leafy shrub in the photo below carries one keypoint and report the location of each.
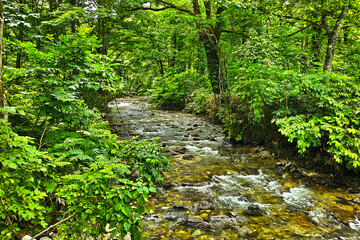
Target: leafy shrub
(72, 165)
(105, 181)
(21, 191)
(173, 90)
(196, 101)
(253, 98)
(317, 111)
(328, 117)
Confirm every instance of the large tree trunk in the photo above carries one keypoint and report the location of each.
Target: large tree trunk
(2, 88)
(332, 37)
(213, 62)
(210, 37)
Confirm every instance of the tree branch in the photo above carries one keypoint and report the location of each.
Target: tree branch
(292, 34)
(180, 8)
(324, 24)
(341, 19)
(54, 225)
(5, 212)
(151, 9)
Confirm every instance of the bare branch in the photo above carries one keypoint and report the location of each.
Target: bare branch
(5, 212)
(54, 225)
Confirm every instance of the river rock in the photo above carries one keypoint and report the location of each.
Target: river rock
(221, 222)
(168, 185)
(307, 182)
(196, 222)
(260, 152)
(247, 233)
(27, 237)
(212, 138)
(253, 210)
(204, 205)
(176, 216)
(311, 174)
(180, 207)
(179, 149)
(283, 163)
(188, 157)
(150, 130)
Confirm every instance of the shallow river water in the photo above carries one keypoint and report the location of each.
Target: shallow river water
(222, 191)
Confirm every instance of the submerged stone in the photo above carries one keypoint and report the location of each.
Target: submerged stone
(188, 157)
(179, 149)
(253, 210)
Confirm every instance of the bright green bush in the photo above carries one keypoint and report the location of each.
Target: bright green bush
(328, 117)
(173, 90)
(70, 165)
(316, 111)
(21, 190)
(104, 181)
(197, 101)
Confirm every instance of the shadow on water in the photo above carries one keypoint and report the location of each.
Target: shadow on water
(221, 191)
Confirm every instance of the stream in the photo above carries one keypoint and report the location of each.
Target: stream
(217, 190)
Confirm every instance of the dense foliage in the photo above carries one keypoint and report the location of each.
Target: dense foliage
(267, 70)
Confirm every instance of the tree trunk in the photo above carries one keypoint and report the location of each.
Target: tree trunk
(332, 37)
(173, 60)
(316, 45)
(329, 54)
(210, 37)
(161, 67)
(18, 55)
(2, 88)
(213, 62)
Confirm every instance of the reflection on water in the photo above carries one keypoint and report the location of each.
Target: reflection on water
(220, 191)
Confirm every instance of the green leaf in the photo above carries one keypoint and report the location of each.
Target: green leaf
(127, 226)
(152, 189)
(12, 165)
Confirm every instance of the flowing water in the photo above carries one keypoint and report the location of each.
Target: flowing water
(222, 191)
